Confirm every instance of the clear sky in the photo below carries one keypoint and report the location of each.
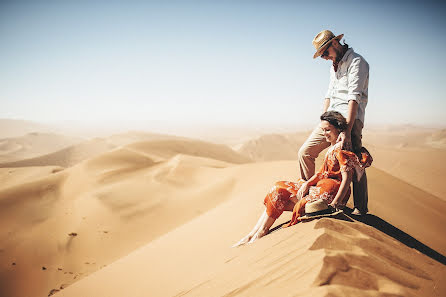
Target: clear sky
(214, 62)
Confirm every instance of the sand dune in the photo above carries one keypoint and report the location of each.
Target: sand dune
(16, 128)
(33, 145)
(66, 157)
(123, 139)
(334, 258)
(274, 146)
(158, 143)
(75, 221)
(168, 148)
(318, 258)
(10, 177)
(437, 139)
(158, 217)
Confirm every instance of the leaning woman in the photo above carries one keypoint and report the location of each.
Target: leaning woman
(331, 183)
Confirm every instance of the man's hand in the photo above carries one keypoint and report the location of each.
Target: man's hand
(345, 140)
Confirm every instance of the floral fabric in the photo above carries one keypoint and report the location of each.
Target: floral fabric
(329, 180)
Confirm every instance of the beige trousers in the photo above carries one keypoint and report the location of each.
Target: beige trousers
(316, 143)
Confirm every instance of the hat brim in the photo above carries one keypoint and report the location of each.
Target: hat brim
(322, 48)
(306, 217)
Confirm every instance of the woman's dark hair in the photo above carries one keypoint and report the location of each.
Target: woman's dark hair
(336, 119)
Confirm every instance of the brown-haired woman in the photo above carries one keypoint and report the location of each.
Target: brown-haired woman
(331, 183)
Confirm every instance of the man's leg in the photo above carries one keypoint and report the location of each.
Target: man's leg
(360, 191)
(309, 151)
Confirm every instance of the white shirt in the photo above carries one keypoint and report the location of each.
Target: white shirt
(350, 82)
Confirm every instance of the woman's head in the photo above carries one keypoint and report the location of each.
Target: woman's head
(332, 123)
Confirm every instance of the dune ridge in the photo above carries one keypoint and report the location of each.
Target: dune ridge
(66, 157)
(273, 147)
(163, 145)
(10, 128)
(33, 145)
(347, 259)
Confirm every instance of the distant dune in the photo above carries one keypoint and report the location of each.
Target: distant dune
(110, 204)
(437, 139)
(66, 157)
(169, 148)
(122, 139)
(32, 145)
(16, 128)
(273, 147)
(156, 143)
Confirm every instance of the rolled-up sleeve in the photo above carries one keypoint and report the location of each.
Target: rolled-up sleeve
(330, 85)
(358, 76)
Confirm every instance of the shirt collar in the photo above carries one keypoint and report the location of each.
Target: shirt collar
(347, 53)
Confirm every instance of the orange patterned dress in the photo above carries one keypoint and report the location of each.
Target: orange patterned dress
(328, 180)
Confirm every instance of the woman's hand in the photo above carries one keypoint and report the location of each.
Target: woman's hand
(303, 190)
(334, 204)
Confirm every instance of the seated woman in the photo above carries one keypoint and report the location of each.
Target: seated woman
(331, 183)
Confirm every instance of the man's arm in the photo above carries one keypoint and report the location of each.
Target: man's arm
(326, 104)
(329, 91)
(357, 77)
(351, 115)
(346, 137)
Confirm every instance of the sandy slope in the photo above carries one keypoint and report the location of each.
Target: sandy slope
(319, 258)
(10, 128)
(75, 221)
(89, 148)
(36, 145)
(68, 156)
(33, 145)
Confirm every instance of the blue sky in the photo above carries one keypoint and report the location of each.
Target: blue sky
(245, 63)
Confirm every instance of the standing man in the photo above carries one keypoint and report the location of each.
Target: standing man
(347, 94)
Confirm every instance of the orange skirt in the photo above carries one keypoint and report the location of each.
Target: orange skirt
(283, 191)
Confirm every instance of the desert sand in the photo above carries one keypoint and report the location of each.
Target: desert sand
(142, 214)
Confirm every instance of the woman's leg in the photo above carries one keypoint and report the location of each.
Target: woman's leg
(260, 224)
(279, 199)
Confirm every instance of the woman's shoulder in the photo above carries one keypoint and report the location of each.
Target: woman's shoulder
(339, 149)
(337, 146)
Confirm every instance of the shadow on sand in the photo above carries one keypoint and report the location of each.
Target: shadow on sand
(401, 236)
(385, 227)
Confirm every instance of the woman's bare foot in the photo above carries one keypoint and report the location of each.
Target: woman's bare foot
(259, 234)
(244, 240)
(260, 229)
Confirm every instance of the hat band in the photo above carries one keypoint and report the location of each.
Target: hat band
(326, 41)
(320, 212)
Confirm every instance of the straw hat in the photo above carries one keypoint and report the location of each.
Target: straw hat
(322, 40)
(318, 209)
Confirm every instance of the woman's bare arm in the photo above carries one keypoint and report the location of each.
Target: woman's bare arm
(343, 188)
(304, 189)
